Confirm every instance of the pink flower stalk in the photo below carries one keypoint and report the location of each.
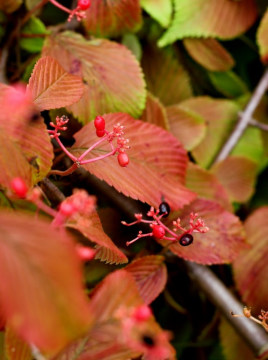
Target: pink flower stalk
(116, 133)
(78, 12)
(159, 230)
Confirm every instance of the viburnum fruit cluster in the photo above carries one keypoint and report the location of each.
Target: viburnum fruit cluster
(159, 230)
(79, 11)
(106, 136)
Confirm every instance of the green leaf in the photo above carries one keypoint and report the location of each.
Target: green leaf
(160, 10)
(32, 29)
(262, 38)
(131, 41)
(228, 83)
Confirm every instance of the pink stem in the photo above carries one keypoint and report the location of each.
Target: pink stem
(138, 237)
(71, 156)
(58, 5)
(45, 208)
(66, 172)
(92, 147)
(83, 162)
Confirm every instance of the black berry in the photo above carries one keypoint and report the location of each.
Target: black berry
(186, 240)
(148, 340)
(164, 208)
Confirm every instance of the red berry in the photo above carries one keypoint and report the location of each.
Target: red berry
(19, 187)
(158, 231)
(142, 313)
(84, 4)
(99, 123)
(100, 133)
(67, 209)
(123, 159)
(85, 253)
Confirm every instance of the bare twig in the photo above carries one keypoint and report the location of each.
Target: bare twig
(245, 118)
(258, 124)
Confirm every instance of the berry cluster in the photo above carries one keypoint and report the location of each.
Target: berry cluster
(79, 11)
(99, 123)
(159, 230)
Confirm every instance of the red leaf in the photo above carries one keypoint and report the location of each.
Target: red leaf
(155, 169)
(251, 267)
(262, 38)
(221, 244)
(15, 347)
(52, 87)
(113, 18)
(150, 274)
(40, 270)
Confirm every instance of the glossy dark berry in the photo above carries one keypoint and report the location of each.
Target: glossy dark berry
(164, 208)
(186, 240)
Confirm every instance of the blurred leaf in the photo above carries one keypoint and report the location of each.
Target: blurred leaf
(160, 10)
(151, 162)
(221, 244)
(209, 53)
(165, 76)
(251, 267)
(262, 38)
(44, 274)
(155, 112)
(30, 4)
(99, 62)
(9, 6)
(52, 87)
(33, 27)
(207, 18)
(112, 18)
(237, 174)
(187, 126)
(131, 41)
(15, 347)
(150, 274)
(228, 83)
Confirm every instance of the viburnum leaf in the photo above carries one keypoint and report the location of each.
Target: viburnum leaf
(160, 10)
(52, 87)
(209, 53)
(262, 38)
(99, 62)
(165, 76)
(113, 18)
(251, 267)
(207, 185)
(228, 83)
(90, 226)
(209, 18)
(237, 174)
(15, 347)
(233, 346)
(220, 116)
(221, 244)
(155, 112)
(150, 274)
(40, 270)
(9, 6)
(187, 126)
(152, 162)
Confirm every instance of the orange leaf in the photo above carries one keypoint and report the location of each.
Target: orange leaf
(221, 244)
(251, 267)
(155, 169)
(150, 274)
(52, 87)
(237, 174)
(209, 18)
(113, 18)
(262, 38)
(155, 113)
(41, 271)
(209, 53)
(99, 62)
(15, 347)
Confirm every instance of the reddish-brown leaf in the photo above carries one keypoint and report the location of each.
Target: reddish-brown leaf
(10, 6)
(207, 186)
(90, 226)
(41, 287)
(155, 169)
(150, 274)
(237, 174)
(219, 116)
(209, 18)
(165, 76)
(15, 347)
(52, 87)
(209, 53)
(155, 113)
(221, 244)
(99, 62)
(262, 38)
(188, 127)
(251, 267)
(113, 18)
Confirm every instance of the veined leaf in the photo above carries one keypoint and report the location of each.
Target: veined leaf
(160, 10)
(208, 18)
(155, 112)
(52, 87)
(209, 53)
(262, 38)
(113, 18)
(99, 62)
(155, 169)
(40, 270)
(150, 274)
